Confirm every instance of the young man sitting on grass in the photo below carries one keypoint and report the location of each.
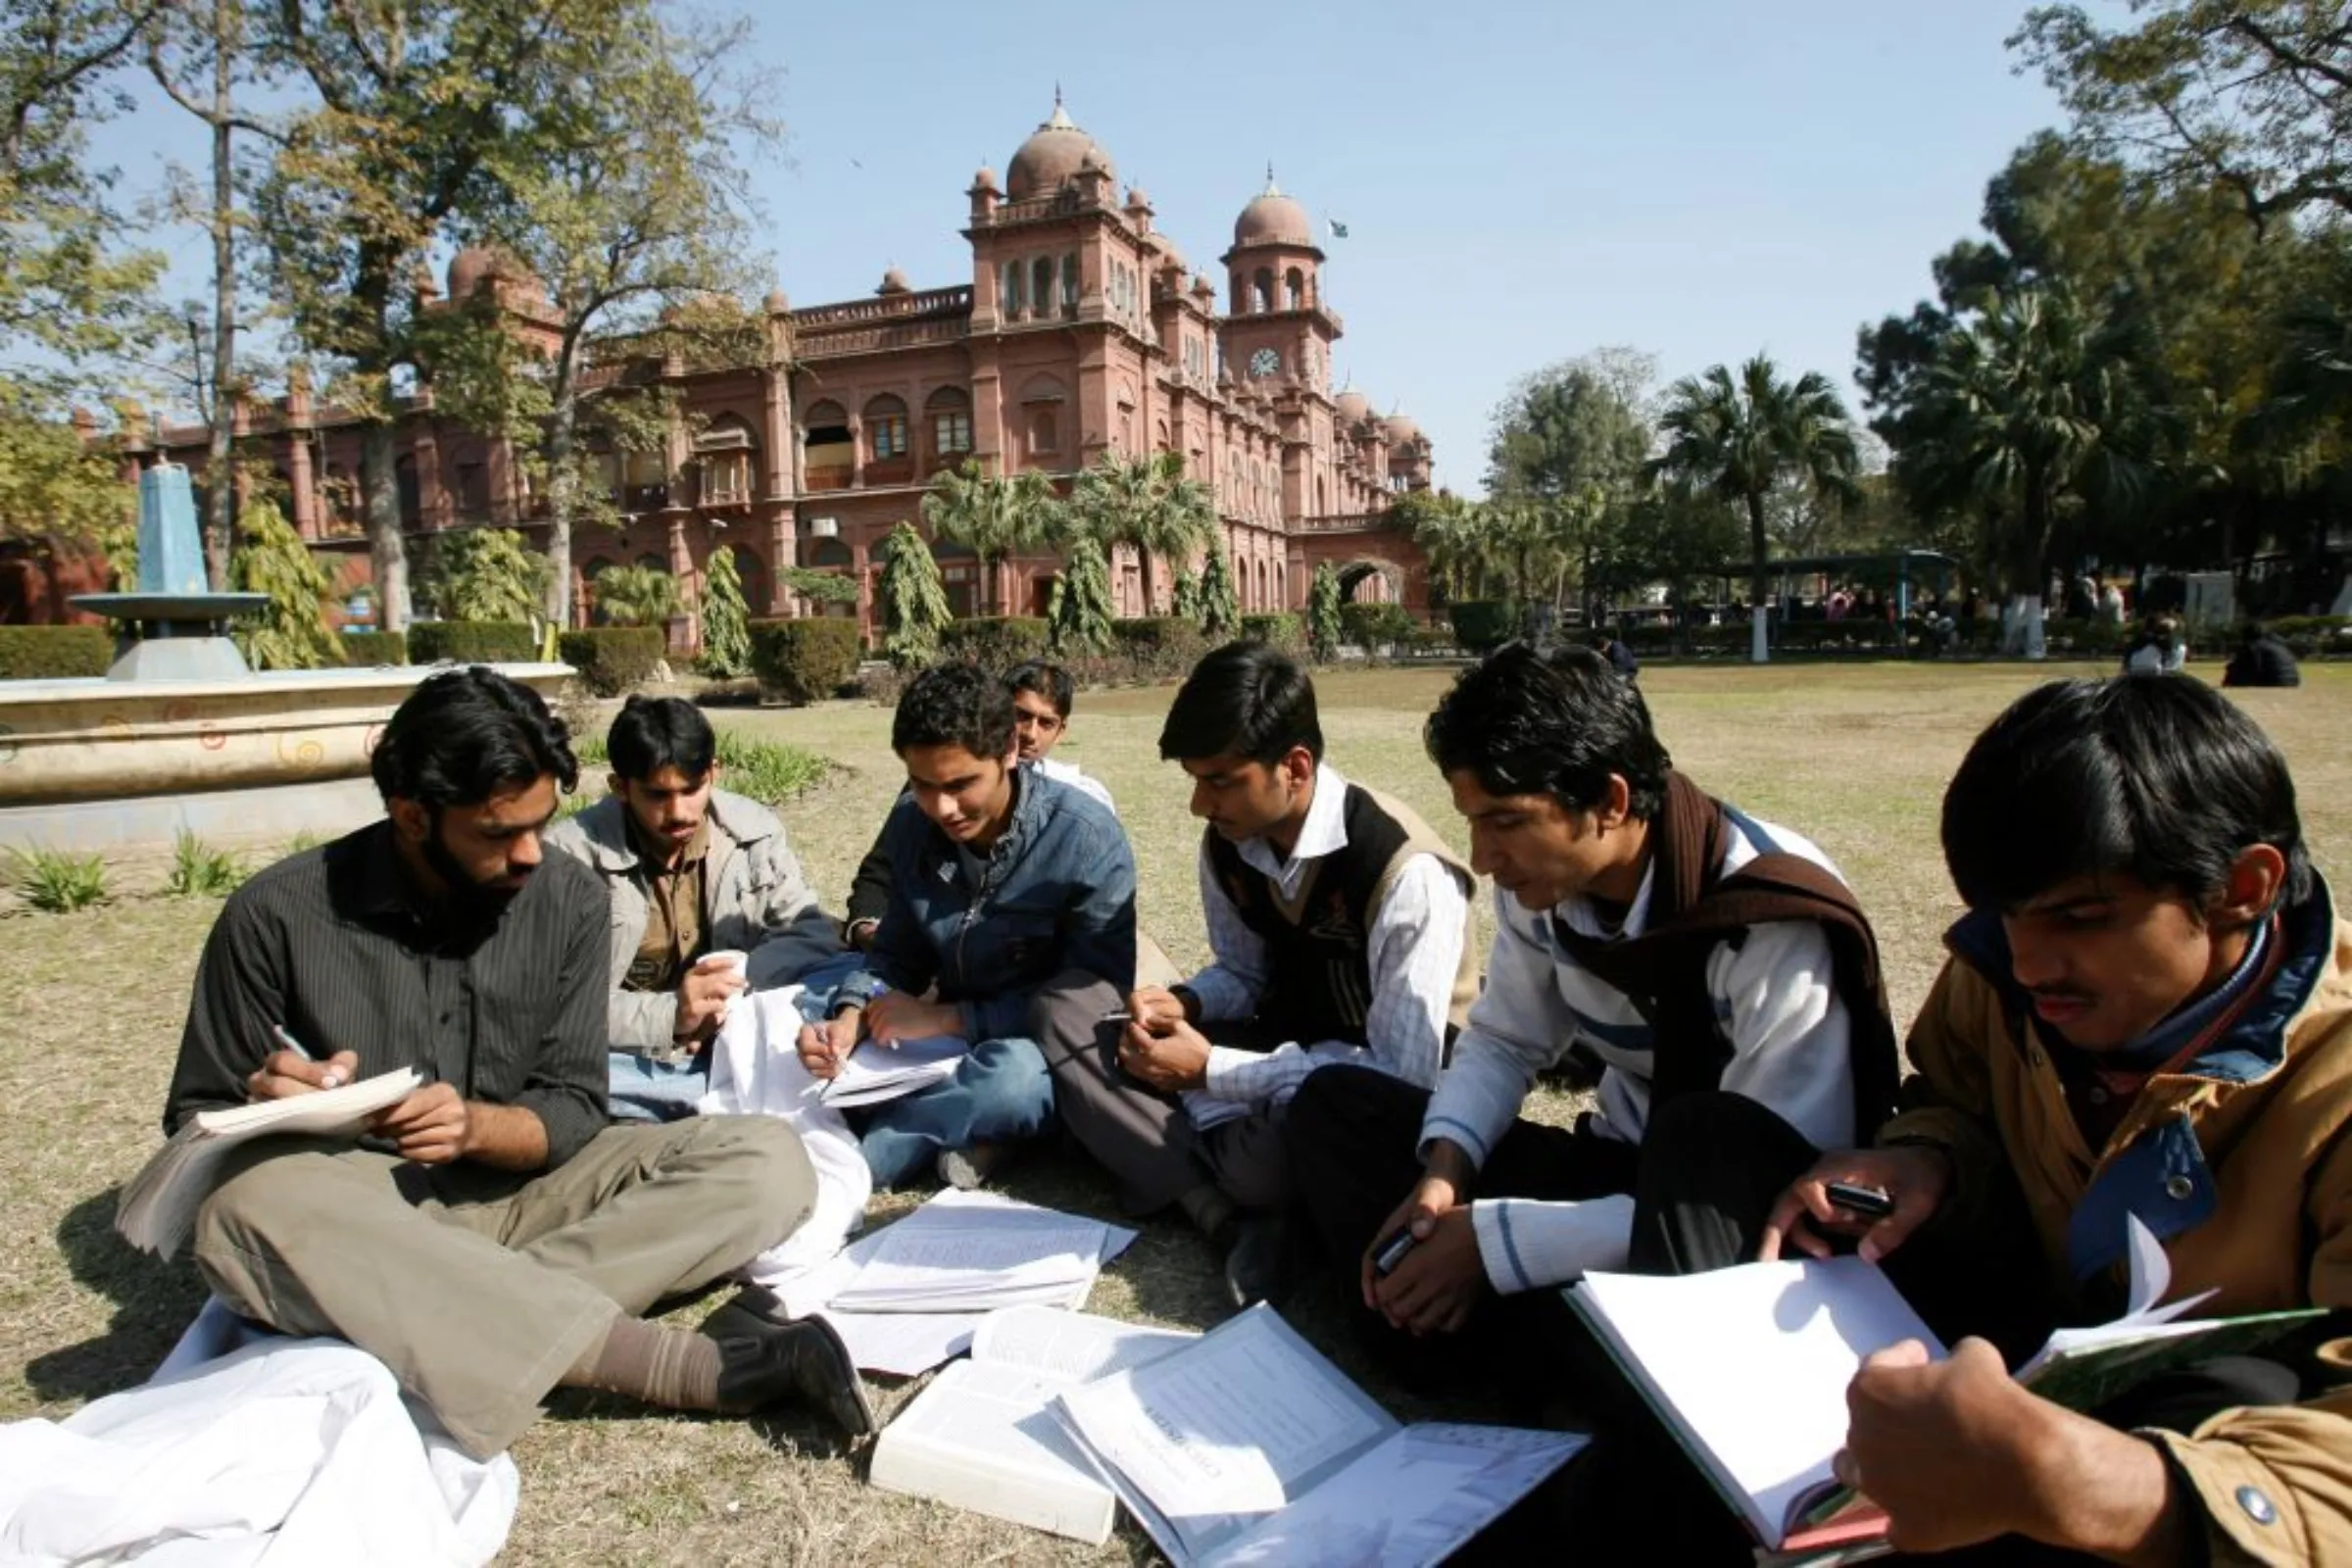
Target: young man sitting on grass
(1002, 877)
(2147, 1011)
(688, 869)
(1713, 966)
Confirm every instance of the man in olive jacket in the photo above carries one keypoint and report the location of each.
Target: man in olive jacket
(690, 870)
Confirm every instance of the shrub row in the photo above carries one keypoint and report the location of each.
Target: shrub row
(471, 642)
(806, 659)
(54, 653)
(1284, 630)
(1373, 626)
(1481, 625)
(368, 649)
(613, 659)
(995, 642)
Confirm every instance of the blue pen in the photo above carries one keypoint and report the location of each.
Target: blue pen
(280, 1033)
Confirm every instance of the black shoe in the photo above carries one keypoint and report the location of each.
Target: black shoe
(804, 1362)
(1259, 1266)
(753, 1307)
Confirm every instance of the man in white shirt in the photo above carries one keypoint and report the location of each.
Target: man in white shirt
(1343, 893)
(1715, 969)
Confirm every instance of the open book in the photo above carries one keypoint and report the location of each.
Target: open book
(1246, 1447)
(983, 1435)
(1748, 1368)
(876, 1072)
(158, 1208)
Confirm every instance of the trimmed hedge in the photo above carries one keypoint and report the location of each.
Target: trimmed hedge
(1370, 625)
(1480, 625)
(994, 642)
(54, 653)
(471, 642)
(613, 659)
(806, 659)
(1285, 630)
(368, 649)
(1157, 646)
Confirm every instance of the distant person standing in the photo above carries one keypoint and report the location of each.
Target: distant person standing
(2157, 650)
(2261, 659)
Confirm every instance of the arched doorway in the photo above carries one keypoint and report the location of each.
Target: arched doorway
(1365, 581)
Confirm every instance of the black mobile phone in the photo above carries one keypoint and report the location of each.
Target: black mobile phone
(1867, 1202)
(1385, 1262)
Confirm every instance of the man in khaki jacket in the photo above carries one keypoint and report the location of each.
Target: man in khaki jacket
(2146, 1013)
(691, 872)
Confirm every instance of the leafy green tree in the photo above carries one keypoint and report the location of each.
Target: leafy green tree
(1566, 462)
(1184, 601)
(640, 596)
(291, 631)
(1736, 438)
(54, 488)
(914, 600)
(1323, 628)
(1220, 601)
(487, 574)
(1150, 504)
(993, 515)
(726, 619)
(1081, 613)
(1450, 532)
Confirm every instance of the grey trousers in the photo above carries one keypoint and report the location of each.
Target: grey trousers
(481, 1287)
(1140, 1135)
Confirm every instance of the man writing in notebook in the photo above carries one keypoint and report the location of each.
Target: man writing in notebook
(688, 870)
(1002, 876)
(494, 1239)
(1340, 925)
(2146, 1012)
(1712, 966)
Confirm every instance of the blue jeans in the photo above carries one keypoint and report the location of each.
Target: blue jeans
(645, 1090)
(1002, 1091)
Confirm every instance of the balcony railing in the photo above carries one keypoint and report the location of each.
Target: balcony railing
(885, 307)
(833, 345)
(1343, 523)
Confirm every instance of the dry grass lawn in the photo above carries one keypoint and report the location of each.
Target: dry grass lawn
(1857, 758)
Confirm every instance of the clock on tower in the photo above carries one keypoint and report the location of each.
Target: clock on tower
(1265, 362)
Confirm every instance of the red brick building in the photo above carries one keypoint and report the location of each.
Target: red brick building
(1081, 332)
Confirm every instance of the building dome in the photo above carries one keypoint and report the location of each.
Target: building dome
(1403, 431)
(895, 281)
(1052, 155)
(1353, 408)
(1273, 219)
(470, 266)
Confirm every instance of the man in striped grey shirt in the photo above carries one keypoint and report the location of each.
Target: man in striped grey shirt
(491, 1239)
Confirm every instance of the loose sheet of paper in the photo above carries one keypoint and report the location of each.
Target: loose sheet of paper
(963, 1252)
(1070, 1347)
(876, 1072)
(903, 1343)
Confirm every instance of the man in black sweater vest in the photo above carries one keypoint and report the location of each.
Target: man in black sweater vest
(1339, 923)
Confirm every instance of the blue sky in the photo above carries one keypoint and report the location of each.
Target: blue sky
(1521, 181)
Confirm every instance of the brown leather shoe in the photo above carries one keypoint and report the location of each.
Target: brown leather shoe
(802, 1362)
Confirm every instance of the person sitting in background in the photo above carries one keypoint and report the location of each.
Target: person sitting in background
(1613, 647)
(2157, 650)
(1001, 877)
(494, 1238)
(2261, 659)
(1339, 928)
(689, 870)
(1043, 696)
(2146, 1014)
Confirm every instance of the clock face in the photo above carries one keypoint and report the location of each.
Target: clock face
(1265, 361)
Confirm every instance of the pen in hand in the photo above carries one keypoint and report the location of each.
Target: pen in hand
(332, 1078)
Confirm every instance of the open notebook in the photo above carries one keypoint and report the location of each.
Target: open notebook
(158, 1208)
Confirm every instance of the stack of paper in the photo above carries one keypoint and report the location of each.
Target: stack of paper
(908, 1296)
(876, 1072)
(1246, 1447)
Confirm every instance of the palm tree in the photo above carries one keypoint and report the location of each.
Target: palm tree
(1149, 503)
(1081, 615)
(993, 515)
(1736, 438)
(636, 595)
(2033, 403)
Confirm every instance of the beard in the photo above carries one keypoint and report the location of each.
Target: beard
(474, 897)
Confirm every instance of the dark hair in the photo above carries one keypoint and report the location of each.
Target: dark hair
(2166, 781)
(652, 733)
(954, 705)
(1048, 680)
(1557, 722)
(2252, 632)
(1245, 699)
(464, 733)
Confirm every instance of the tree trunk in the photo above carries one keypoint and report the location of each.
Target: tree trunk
(387, 551)
(220, 473)
(1759, 638)
(1143, 562)
(562, 492)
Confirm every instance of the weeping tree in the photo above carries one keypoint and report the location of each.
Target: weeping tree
(291, 631)
(1323, 628)
(488, 575)
(726, 619)
(1184, 602)
(914, 600)
(1220, 604)
(1080, 616)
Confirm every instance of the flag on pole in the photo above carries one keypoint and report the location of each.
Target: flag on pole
(1338, 231)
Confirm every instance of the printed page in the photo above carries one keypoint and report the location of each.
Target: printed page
(1753, 1362)
(1229, 1428)
(326, 1112)
(1070, 1347)
(955, 1249)
(1410, 1503)
(1004, 1413)
(877, 1072)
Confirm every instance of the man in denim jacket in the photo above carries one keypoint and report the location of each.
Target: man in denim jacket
(1000, 878)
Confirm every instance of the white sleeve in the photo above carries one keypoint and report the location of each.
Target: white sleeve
(1518, 1028)
(1414, 951)
(1229, 988)
(1527, 1242)
(1792, 1041)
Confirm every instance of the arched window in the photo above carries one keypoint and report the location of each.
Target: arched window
(829, 454)
(1042, 398)
(754, 574)
(1261, 290)
(949, 412)
(650, 562)
(403, 479)
(1011, 304)
(1041, 284)
(1295, 289)
(1069, 284)
(885, 421)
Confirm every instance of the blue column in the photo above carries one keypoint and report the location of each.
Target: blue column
(171, 545)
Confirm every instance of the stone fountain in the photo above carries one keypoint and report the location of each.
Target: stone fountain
(179, 735)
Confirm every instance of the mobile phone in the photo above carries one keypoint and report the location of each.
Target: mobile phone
(1385, 1262)
(1871, 1202)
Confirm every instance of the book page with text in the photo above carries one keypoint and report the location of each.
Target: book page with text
(1070, 1347)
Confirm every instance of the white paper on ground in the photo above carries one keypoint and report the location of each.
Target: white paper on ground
(1755, 1361)
(903, 1343)
(965, 1252)
(1070, 1347)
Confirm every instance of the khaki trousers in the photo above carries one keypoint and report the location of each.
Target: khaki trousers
(480, 1287)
